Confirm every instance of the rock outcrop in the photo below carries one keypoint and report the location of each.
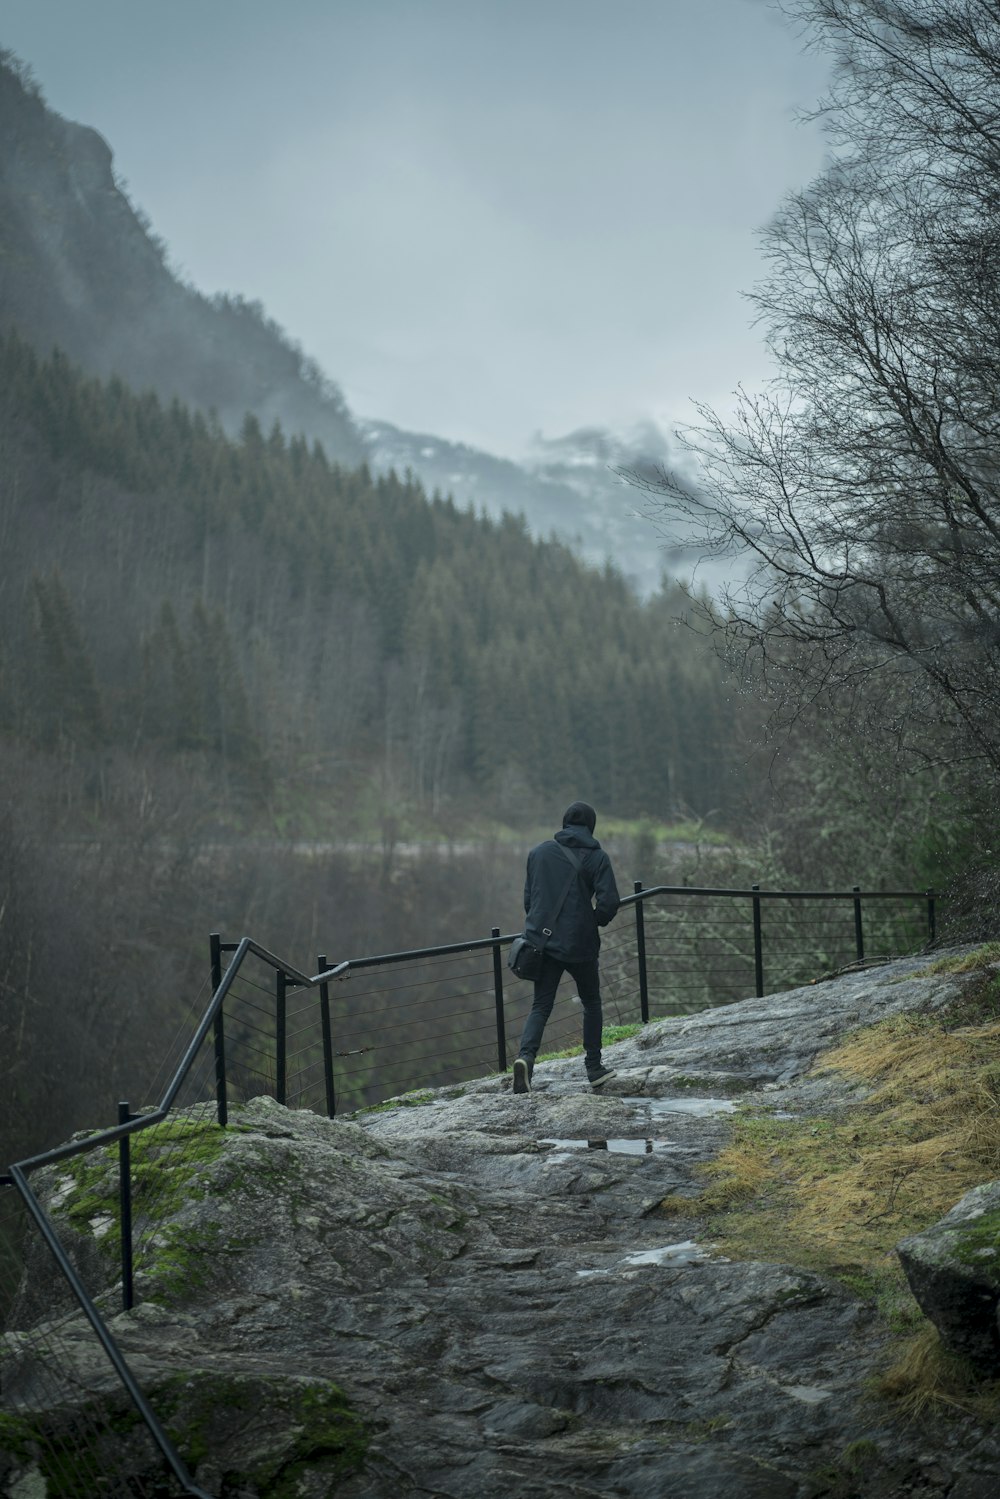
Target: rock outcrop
(479, 1295)
(953, 1269)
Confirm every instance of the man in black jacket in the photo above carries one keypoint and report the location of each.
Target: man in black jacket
(573, 942)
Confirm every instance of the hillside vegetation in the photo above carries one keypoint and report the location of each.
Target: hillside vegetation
(298, 629)
(214, 646)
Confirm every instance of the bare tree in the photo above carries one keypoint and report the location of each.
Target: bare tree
(865, 481)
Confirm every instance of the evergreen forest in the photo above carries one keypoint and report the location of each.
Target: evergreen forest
(322, 644)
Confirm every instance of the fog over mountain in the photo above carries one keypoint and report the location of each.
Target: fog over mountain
(81, 269)
(571, 486)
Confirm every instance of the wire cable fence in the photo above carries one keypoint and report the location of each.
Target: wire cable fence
(97, 1225)
(67, 1426)
(422, 1022)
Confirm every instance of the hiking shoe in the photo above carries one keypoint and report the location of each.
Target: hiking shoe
(522, 1076)
(598, 1078)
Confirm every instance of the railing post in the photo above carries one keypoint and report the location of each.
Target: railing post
(498, 999)
(125, 1205)
(859, 936)
(931, 919)
(280, 985)
(221, 1100)
(758, 946)
(324, 1018)
(640, 947)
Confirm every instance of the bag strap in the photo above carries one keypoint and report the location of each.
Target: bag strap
(547, 930)
(568, 852)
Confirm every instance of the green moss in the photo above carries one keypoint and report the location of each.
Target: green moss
(185, 1259)
(73, 1459)
(165, 1160)
(415, 1100)
(17, 1436)
(328, 1434)
(315, 1429)
(979, 1241)
(703, 1081)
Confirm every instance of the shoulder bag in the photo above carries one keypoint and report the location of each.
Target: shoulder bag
(524, 959)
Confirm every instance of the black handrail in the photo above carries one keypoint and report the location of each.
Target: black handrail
(851, 894)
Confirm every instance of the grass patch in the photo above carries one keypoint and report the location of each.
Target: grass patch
(609, 1036)
(613, 1033)
(646, 828)
(836, 1195)
(924, 1376)
(846, 1477)
(970, 962)
(560, 1056)
(415, 1100)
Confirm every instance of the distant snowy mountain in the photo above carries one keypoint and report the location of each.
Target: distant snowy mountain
(569, 486)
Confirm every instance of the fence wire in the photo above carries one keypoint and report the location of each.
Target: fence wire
(423, 1023)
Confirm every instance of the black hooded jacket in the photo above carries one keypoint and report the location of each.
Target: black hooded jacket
(591, 901)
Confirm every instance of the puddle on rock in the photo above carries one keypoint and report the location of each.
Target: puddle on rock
(617, 1147)
(685, 1253)
(659, 1107)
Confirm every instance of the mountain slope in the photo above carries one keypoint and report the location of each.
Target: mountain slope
(80, 269)
(186, 594)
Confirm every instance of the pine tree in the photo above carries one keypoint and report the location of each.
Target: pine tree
(63, 695)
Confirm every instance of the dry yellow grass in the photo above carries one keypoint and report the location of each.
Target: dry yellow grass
(847, 1189)
(837, 1194)
(924, 1376)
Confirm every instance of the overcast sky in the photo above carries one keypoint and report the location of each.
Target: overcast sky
(484, 218)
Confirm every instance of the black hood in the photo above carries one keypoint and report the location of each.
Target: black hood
(580, 814)
(577, 837)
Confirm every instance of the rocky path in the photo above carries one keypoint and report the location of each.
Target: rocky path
(490, 1281)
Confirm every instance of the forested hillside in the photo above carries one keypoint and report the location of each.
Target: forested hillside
(212, 646)
(300, 628)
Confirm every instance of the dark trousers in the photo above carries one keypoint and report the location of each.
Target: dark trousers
(588, 986)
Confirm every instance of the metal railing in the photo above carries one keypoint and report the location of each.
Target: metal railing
(425, 1017)
(428, 1017)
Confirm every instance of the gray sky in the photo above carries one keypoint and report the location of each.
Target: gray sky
(482, 217)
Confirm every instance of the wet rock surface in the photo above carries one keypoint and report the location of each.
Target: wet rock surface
(489, 1281)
